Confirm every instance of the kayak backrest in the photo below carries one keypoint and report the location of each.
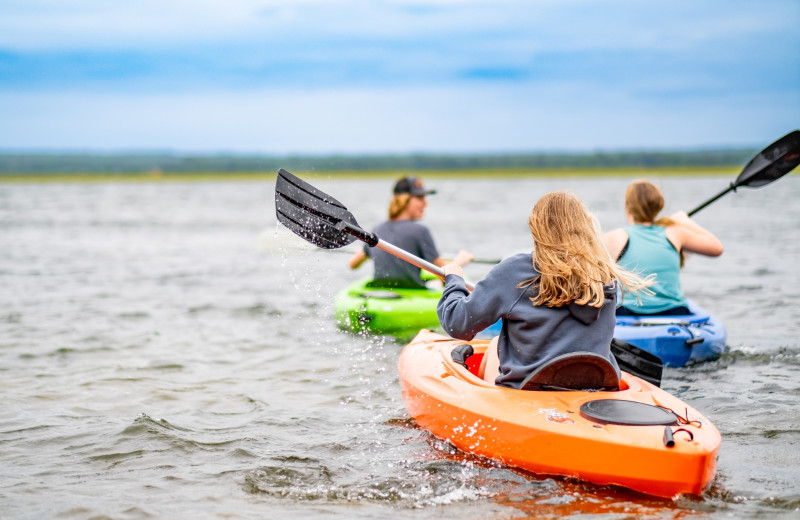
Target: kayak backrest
(574, 371)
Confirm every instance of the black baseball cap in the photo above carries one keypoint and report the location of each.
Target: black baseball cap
(413, 186)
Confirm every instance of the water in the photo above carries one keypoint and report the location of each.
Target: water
(167, 351)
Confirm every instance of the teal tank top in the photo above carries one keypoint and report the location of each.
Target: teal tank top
(649, 251)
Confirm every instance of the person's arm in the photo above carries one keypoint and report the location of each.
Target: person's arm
(462, 258)
(451, 310)
(358, 258)
(691, 237)
(463, 314)
(615, 242)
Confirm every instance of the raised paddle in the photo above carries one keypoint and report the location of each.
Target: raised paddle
(325, 222)
(771, 163)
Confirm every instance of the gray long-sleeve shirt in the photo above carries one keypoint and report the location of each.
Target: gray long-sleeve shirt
(530, 335)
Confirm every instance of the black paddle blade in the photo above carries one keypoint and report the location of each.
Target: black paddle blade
(638, 362)
(312, 214)
(772, 163)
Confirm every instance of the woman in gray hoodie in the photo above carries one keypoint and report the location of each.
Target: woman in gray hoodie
(558, 299)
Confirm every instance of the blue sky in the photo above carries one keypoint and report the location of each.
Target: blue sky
(396, 76)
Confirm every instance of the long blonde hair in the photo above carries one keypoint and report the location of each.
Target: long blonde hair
(398, 204)
(643, 201)
(570, 255)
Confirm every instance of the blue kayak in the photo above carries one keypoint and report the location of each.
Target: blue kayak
(677, 340)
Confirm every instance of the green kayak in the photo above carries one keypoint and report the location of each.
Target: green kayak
(391, 311)
(399, 312)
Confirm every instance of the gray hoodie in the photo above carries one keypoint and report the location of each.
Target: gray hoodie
(531, 335)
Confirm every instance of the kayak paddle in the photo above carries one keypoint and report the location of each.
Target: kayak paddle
(638, 362)
(771, 163)
(325, 222)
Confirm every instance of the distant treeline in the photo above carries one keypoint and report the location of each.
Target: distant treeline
(58, 163)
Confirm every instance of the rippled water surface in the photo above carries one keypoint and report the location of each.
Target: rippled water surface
(166, 351)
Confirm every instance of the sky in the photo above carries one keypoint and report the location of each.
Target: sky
(396, 76)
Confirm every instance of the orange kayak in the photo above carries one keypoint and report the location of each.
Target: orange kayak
(559, 432)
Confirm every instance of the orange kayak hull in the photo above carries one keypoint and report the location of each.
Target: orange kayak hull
(545, 432)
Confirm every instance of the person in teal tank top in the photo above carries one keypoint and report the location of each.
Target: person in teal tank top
(650, 251)
(656, 246)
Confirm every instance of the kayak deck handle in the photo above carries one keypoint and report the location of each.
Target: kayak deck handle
(461, 353)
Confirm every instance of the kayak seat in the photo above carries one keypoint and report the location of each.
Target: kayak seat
(574, 371)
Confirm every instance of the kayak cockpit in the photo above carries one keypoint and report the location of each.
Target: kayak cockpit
(568, 372)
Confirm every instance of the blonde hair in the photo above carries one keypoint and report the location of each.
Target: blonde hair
(570, 255)
(398, 204)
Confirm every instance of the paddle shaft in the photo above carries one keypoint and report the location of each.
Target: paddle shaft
(473, 261)
(485, 261)
(414, 260)
(769, 165)
(374, 241)
(713, 199)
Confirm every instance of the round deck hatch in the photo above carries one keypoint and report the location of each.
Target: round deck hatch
(616, 411)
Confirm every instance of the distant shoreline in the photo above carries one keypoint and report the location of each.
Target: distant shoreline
(506, 173)
(169, 165)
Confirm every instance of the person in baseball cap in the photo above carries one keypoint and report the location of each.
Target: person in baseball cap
(403, 230)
